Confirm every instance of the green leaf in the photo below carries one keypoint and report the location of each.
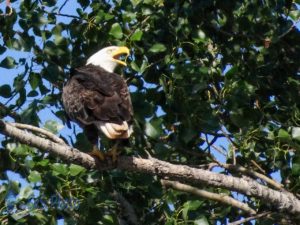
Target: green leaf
(19, 215)
(43, 162)
(296, 133)
(283, 135)
(8, 63)
(59, 168)
(153, 128)
(14, 186)
(25, 193)
(204, 69)
(108, 219)
(158, 48)
(134, 66)
(193, 205)
(29, 163)
(34, 80)
(3, 192)
(53, 126)
(21, 150)
(137, 35)
(34, 176)
(76, 169)
(296, 169)
(190, 206)
(2, 50)
(201, 221)
(32, 93)
(116, 31)
(5, 91)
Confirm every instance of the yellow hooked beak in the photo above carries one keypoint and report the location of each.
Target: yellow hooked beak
(119, 52)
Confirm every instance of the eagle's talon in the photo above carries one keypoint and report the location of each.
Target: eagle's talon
(113, 153)
(97, 153)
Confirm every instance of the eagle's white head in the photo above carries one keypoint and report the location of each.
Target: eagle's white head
(108, 58)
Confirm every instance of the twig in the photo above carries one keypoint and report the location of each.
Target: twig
(214, 147)
(233, 155)
(42, 131)
(228, 137)
(250, 218)
(281, 201)
(64, 15)
(62, 6)
(253, 174)
(289, 30)
(258, 167)
(208, 195)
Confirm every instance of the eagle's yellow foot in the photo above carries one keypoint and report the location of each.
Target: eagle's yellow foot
(113, 153)
(97, 153)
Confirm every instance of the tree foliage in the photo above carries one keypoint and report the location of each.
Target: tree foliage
(211, 81)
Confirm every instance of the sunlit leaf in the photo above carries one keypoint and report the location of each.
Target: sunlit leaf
(296, 133)
(34, 176)
(157, 48)
(25, 193)
(75, 169)
(53, 126)
(8, 63)
(116, 31)
(137, 35)
(59, 169)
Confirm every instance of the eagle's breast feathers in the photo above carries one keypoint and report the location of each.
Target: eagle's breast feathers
(93, 96)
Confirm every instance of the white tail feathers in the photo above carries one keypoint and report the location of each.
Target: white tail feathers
(115, 131)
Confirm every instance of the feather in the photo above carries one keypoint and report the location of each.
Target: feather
(95, 97)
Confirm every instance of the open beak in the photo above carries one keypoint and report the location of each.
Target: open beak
(121, 51)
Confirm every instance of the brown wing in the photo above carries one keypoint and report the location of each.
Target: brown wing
(95, 95)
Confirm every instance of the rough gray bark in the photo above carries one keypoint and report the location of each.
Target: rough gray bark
(281, 200)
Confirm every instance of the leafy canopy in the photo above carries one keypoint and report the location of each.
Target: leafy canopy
(204, 76)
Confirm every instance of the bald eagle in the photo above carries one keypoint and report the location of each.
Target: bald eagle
(98, 99)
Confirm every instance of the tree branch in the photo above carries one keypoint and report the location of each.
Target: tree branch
(41, 131)
(279, 200)
(250, 218)
(208, 195)
(244, 170)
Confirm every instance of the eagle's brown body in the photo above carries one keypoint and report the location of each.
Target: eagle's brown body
(95, 98)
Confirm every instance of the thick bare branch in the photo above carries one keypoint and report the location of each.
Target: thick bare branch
(41, 131)
(65, 152)
(225, 199)
(281, 200)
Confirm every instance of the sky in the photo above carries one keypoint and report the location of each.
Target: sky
(7, 77)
